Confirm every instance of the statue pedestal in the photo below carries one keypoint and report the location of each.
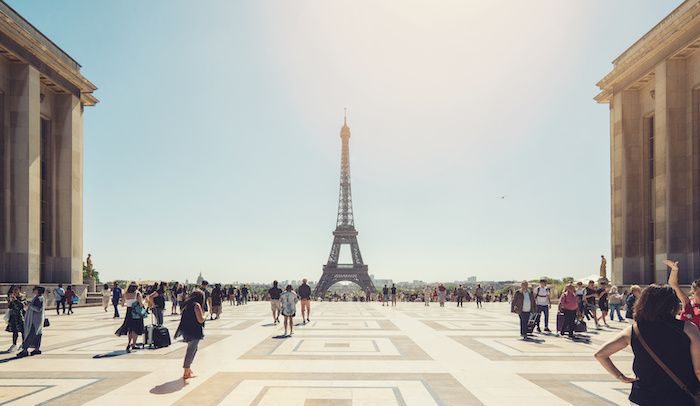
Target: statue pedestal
(604, 280)
(91, 284)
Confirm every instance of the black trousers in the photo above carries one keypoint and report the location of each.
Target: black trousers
(524, 318)
(460, 301)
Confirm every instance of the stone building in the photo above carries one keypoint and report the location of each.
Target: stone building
(654, 97)
(42, 96)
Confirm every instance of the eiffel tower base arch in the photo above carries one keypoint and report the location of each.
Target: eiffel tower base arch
(333, 274)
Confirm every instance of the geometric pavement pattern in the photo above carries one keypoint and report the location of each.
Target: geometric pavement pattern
(350, 353)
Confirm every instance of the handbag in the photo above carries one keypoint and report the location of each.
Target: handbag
(137, 311)
(46, 322)
(676, 379)
(6, 316)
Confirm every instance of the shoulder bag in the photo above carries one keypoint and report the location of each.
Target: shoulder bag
(666, 369)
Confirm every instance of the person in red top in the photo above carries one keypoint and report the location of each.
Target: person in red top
(568, 304)
(691, 306)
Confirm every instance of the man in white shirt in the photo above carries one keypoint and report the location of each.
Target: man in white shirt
(523, 304)
(543, 304)
(59, 296)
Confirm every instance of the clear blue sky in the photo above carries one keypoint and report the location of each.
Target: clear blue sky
(215, 146)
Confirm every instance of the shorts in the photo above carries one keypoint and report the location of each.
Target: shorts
(275, 305)
(216, 309)
(305, 304)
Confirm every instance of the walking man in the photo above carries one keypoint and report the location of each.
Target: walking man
(460, 296)
(479, 293)
(59, 296)
(523, 305)
(543, 304)
(245, 292)
(116, 298)
(393, 295)
(304, 293)
(385, 294)
(275, 293)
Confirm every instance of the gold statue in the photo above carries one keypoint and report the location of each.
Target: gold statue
(603, 266)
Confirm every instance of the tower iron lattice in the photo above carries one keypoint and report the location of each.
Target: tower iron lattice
(345, 233)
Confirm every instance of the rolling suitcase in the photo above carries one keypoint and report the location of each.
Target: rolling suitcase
(156, 336)
(534, 320)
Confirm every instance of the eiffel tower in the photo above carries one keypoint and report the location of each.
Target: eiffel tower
(345, 233)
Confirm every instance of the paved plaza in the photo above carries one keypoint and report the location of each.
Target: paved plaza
(349, 354)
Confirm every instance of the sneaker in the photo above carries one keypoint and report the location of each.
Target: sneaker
(35, 352)
(23, 354)
(547, 330)
(308, 320)
(538, 330)
(12, 348)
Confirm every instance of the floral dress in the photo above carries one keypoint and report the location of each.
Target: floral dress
(16, 323)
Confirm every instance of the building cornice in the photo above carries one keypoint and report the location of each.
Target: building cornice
(52, 59)
(679, 30)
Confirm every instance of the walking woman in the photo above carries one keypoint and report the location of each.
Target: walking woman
(615, 299)
(157, 298)
(666, 351)
(603, 303)
(442, 294)
(191, 329)
(174, 299)
(635, 292)
(69, 298)
(33, 324)
(106, 295)
(15, 310)
(691, 306)
(132, 327)
(288, 301)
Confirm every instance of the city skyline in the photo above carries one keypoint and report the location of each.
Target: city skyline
(215, 146)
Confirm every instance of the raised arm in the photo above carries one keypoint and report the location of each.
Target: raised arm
(673, 282)
(617, 344)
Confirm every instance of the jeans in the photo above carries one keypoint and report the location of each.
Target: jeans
(524, 318)
(115, 303)
(190, 353)
(569, 322)
(615, 308)
(158, 313)
(59, 303)
(545, 309)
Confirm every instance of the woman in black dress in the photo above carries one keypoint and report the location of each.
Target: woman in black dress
(191, 329)
(656, 333)
(15, 309)
(132, 327)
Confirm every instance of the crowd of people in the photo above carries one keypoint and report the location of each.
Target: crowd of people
(662, 328)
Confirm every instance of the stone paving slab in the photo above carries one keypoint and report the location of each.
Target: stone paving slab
(349, 354)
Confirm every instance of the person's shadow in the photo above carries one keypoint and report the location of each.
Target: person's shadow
(169, 387)
(110, 354)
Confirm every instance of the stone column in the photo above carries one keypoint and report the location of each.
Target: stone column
(24, 239)
(630, 200)
(673, 109)
(67, 128)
